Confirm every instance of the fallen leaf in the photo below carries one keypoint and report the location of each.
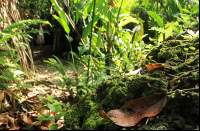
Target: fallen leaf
(31, 95)
(12, 122)
(27, 119)
(112, 3)
(32, 107)
(3, 120)
(157, 65)
(1, 95)
(133, 111)
(153, 66)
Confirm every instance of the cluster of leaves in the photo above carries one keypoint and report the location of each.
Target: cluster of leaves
(11, 74)
(110, 41)
(10, 70)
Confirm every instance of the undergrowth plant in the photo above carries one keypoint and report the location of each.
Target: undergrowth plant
(55, 111)
(11, 73)
(65, 81)
(108, 47)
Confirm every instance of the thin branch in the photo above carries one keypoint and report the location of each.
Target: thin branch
(179, 77)
(191, 89)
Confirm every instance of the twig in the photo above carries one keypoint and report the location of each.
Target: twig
(172, 75)
(191, 89)
(179, 77)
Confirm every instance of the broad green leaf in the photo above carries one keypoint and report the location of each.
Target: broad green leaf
(69, 38)
(85, 13)
(186, 10)
(175, 27)
(88, 27)
(53, 127)
(59, 10)
(128, 20)
(68, 104)
(89, 9)
(50, 98)
(168, 29)
(122, 16)
(94, 38)
(186, 20)
(60, 115)
(195, 9)
(186, 49)
(99, 39)
(26, 86)
(139, 38)
(145, 3)
(111, 90)
(42, 99)
(63, 23)
(99, 4)
(50, 106)
(156, 17)
(52, 118)
(81, 83)
(7, 84)
(82, 49)
(58, 108)
(98, 51)
(83, 90)
(78, 15)
(192, 48)
(161, 30)
(178, 4)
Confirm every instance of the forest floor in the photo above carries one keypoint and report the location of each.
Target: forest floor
(48, 76)
(47, 81)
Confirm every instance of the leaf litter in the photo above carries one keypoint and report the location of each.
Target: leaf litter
(15, 116)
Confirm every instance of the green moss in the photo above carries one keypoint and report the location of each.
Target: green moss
(180, 106)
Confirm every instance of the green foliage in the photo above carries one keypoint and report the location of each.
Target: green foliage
(15, 29)
(11, 72)
(54, 106)
(156, 17)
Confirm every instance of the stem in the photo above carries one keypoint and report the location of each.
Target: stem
(191, 89)
(90, 42)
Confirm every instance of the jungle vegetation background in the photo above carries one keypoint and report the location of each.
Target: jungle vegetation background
(107, 37)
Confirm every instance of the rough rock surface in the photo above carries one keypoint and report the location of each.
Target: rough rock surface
(182, 108)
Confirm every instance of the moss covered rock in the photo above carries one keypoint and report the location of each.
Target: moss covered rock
(85, 114)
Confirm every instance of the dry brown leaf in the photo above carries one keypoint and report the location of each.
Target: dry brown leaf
(9, 94)
(31, 95)
(133, 111)
(3, 120)
(25, 118)
(37, 123)
(32, 107)
(11, 113)
(1, 95)
(12, 122)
